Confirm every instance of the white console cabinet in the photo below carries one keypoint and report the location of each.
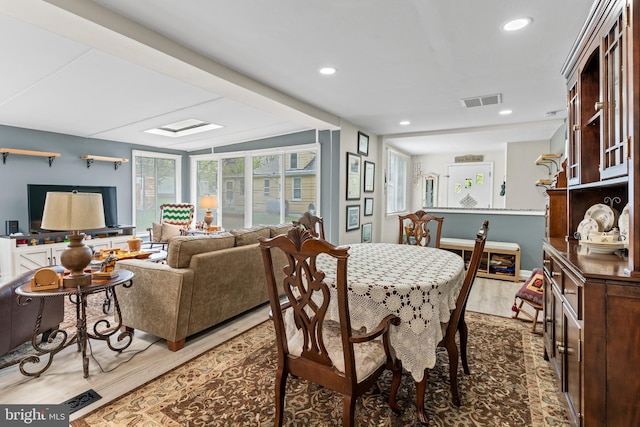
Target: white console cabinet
(15, 260)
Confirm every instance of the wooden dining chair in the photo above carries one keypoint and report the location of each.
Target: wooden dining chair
(457, 323)
(315, 224)
(312, 347)
(414, 229)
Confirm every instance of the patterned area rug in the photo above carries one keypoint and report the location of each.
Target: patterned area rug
(94, 312)
(233, 385)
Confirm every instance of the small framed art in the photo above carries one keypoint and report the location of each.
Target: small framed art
(363, 144)
(369, 176)
(366, 233)
(368, 206)
(353, 217)
(353, 176)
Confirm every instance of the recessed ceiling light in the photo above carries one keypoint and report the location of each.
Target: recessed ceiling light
(327, 71)
(405, 123)
(184, 127)
(505, 112)
(517, 24)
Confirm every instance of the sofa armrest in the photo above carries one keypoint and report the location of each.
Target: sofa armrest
(159, 302)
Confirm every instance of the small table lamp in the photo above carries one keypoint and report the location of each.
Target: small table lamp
(74, 212)
(208, 203)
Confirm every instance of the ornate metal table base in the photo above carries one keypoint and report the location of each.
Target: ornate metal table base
(101, 330)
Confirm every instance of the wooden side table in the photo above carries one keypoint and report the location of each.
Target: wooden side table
(102, 330)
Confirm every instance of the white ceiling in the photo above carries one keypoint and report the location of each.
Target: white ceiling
(110, 69)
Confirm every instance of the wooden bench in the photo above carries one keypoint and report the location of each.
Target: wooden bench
(500, 260)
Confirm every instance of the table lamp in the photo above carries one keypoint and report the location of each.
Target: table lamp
(208, 203)
(74, 212)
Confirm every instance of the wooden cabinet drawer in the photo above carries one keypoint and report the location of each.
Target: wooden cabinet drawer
(572, 293)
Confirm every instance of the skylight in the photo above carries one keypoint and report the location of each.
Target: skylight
(183, 128)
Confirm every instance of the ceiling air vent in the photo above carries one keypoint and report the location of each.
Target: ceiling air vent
(479, 101)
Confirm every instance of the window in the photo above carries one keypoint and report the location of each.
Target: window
(281, 184)
(396, 182)
(157, 180)
(296, 188)
(207, 179)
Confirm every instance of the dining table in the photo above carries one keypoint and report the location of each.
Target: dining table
(418, 284)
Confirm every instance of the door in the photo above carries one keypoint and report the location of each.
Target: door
(470, 185)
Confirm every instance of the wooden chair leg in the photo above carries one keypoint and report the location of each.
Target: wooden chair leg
(452, 349)
(395, 385)
(464, 335)
(281, 382)
(348, 410)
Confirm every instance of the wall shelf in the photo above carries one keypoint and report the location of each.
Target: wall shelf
(117, 161)
(549, 159)
(6, 151)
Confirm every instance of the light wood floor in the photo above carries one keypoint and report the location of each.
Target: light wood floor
(148, 358)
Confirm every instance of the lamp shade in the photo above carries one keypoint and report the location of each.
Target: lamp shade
(208, 202)
(72, 211)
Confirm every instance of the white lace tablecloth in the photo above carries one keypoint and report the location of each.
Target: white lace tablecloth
(418, 284)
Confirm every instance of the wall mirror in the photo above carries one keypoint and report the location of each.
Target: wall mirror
(430, 190)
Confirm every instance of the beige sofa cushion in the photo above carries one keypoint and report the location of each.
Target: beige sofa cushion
(182, 248)
(280, 229)
(249, 236)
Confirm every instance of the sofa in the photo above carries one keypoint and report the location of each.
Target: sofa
(18, 322)
(205, 281)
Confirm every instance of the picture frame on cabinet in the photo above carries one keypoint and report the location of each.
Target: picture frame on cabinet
(363, 144)
(353, 217)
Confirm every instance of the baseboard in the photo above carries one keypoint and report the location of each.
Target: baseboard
(525, 274)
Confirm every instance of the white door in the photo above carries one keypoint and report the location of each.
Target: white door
(470, 185)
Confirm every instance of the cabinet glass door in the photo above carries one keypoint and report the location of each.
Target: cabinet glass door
(613, 161)
(573, 156)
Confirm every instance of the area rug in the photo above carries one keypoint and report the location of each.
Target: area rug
(94, 311)
(233, 385)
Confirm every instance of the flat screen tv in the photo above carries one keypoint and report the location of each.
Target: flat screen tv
(37, 193)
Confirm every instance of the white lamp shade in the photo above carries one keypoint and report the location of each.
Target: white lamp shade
(73, 211)
(208, 202)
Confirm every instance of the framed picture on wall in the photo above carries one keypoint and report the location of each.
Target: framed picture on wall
(368, 206)
(369, 176)
(353, 217)
(363, 144)
(353, 176)
(366, 233)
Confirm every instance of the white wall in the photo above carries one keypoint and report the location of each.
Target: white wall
(349, 143)
(522, 173)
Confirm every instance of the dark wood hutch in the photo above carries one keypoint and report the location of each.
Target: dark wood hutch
(592, 301)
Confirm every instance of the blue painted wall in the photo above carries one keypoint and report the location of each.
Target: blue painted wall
(526, 230)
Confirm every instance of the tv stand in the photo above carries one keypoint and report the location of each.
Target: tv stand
(15, 259)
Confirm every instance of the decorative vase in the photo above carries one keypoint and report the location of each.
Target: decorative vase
(135, 243)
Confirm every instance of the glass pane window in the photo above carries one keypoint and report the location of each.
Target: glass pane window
(302, 187)
(233, 200)
(267, 173)
(396, 182)
(207, 185)
(296, 186)
(157, 181)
